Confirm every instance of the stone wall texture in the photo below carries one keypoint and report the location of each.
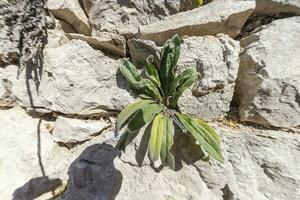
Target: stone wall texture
(61, 90)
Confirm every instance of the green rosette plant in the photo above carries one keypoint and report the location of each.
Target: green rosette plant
(160, 89)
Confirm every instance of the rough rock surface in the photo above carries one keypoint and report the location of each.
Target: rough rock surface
(117, 20)
(211, 19)
(25, 144)
(68, 130)
(259, 164)
(71, 12)
(115, 45)
(54, 67)
(271, 7)
(76, 79)
(10, 35)
(22, 31)
(268, 82)
(141, 49)
(7, 99)
(56, 38)
(216, 59)
(124, 17)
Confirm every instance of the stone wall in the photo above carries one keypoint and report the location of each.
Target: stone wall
(60, 92)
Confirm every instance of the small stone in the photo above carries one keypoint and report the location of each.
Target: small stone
(68, 130)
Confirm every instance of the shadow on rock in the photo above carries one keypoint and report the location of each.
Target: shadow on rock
(186, 150)
(35, 188)
(93, 176)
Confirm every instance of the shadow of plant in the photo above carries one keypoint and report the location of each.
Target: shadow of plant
(93, 175)
(36, 187)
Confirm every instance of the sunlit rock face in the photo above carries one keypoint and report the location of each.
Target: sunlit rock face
(268, 86)
(61, 91)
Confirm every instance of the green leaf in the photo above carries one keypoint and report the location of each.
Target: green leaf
(125, 139)
(204, 158)
(166, 155)
(148, 88)
(152, 72)
(177, 46)
(130, 72)
(169, 58)
(182, 77)
(209, 129)
(156, 137)
(181, 83)
(142, 117)
(160, 85)
(137, 82)
(130, 110)
(202, 135)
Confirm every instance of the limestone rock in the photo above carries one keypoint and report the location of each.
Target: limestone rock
(213, 18)
(68, 130)
(124, 17)
(116, 184)
(113, 21)
(56, 38)
(76, 79)
(211, 106)
(98, 177)
(27, 150)
(259, 164)
(113, 44)
(22, 30)
(7, 99)
(272, 7)
(65, 27)
(71, 12)
(216, 59)
(10, 35)
(56, 33)
(268, 82)
(256, 167)
(25, 144)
